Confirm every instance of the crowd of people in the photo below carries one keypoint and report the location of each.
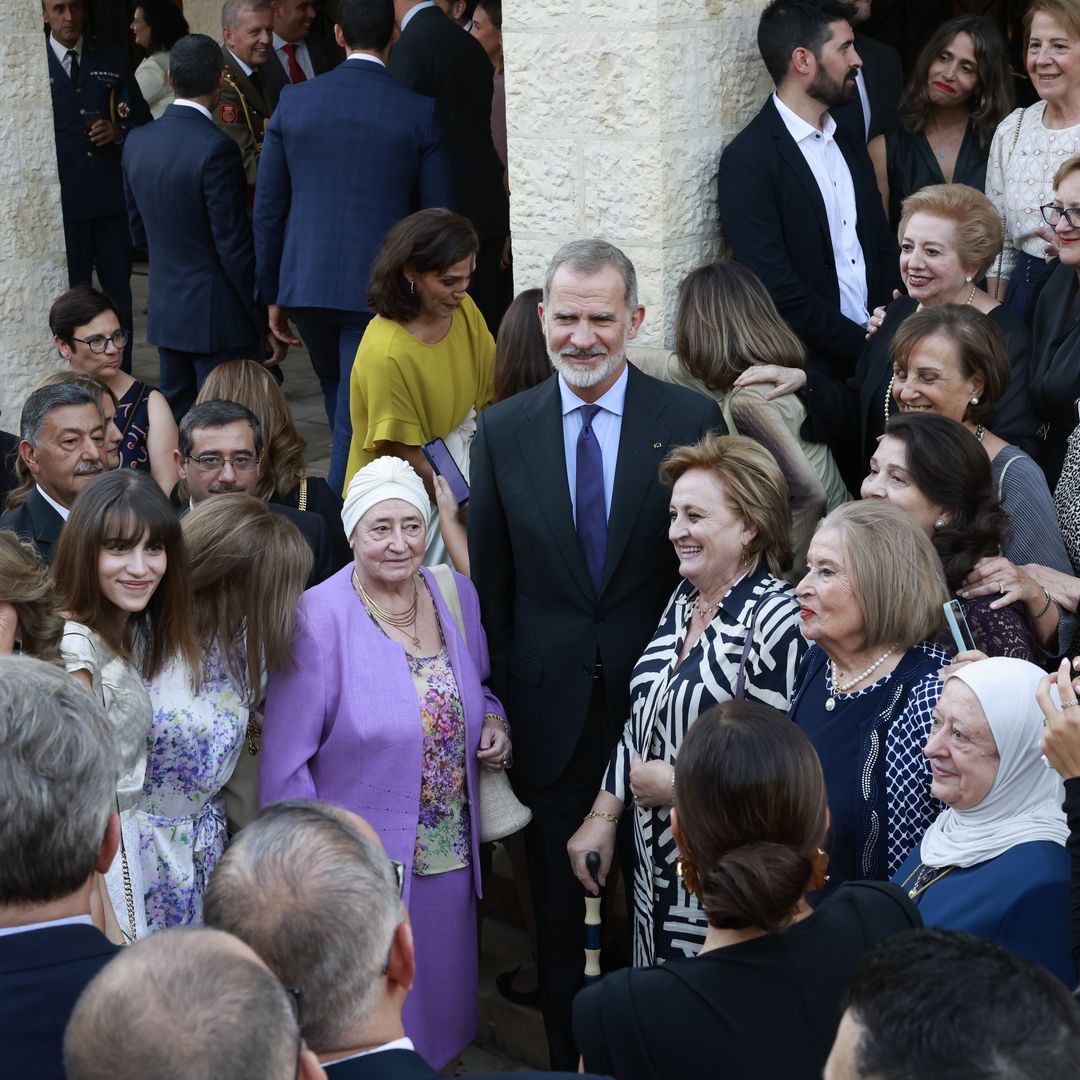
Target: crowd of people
(774, 628)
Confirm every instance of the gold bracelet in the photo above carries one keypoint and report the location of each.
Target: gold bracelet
(1045, 608)
(496, 716)
(605, 814)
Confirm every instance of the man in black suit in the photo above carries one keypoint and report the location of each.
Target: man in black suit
(304, 873)
(879, 84)
(220, 449)
(188, 1003)
(295, 55)
(800, 206)
(435, 58)
(185, 195)
(568, 544)
(60, 830)
(62, 444)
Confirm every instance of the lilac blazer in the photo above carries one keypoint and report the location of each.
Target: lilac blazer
(343, 725)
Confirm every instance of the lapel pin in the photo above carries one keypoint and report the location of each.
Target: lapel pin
(657, 446)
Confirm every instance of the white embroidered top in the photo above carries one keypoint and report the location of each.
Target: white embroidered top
(1020, 178)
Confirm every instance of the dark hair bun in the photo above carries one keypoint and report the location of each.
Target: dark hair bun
(756, 884)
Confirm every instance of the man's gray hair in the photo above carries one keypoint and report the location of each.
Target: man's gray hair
(183, 1003)
(232, 9)
(590, 257)
(318, 901)
(41, 402)
(58, 773)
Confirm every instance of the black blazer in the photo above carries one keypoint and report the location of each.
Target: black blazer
(42, 974)
(437, 58)
(407, 1065)
(884, 78)
(774, 217)
(36, 521)
(275, 78)
(546, 627)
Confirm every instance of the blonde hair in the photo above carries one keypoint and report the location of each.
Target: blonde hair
(755, 486)
(977, 222)
(1064, 170)
(248, 566)
(895, 572)
(1066, 12)
(251, 385)
(25, 584)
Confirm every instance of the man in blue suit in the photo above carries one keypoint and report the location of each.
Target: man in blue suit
(346, 156)
(57, 788)
(186, 198)
(96, 103)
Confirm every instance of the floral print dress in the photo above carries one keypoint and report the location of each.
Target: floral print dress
(192, 749)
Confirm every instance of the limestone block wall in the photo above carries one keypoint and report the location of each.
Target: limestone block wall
(204, 17)
(33, 267)
(617, 111)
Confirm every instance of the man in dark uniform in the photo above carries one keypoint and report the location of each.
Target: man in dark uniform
(96, 102)
(242, 113)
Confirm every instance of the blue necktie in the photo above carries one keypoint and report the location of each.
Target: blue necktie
(591, 515)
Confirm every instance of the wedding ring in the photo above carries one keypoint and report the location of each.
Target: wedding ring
(1001, 589)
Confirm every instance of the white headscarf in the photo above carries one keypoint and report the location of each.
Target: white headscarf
(1024, 801)
(384, 478)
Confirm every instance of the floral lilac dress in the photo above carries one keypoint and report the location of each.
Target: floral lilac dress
(192, 749)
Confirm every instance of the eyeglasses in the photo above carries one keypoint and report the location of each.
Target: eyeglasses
(399, 876)
(242, 463)
(1053, 214)
(99, 342)
(296, 998)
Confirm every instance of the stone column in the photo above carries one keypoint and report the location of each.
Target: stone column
(617, 111)
(33, 266)
(204, 17)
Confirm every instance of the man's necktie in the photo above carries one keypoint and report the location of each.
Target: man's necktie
(73, 56)
(591, 515)
(296, 72)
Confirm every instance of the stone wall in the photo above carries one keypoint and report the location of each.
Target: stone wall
(617, 111)
(204, 17)
(33, 266)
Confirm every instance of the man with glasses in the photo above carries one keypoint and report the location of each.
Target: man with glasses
(220, 450)
(62, 444)
(187, 1003)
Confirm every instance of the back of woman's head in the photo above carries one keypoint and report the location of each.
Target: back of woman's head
(251, 385)
(951, 469)
(248, 566)
(752, 813)
(25, 585)
(521, 356)
(119, 508)
(167, 24)
(726, 320)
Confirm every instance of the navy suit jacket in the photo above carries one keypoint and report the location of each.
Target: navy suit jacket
(772, 211)
(36, 521)
(409, 1065)
(187, 206)
(42, 974)
(90, 185)
(346, 155)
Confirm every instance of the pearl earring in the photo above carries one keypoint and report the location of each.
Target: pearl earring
(968, 279)
(974, 401)
(940, 523)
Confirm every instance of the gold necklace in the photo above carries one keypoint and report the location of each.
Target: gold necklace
(399, 620)
(921, 873)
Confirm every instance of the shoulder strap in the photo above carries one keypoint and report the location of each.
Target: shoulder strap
(740, 683)
(444, 579)
(1001, 479)
(143, 391)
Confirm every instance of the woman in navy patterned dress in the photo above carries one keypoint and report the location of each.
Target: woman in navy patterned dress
(871, 604)
(729, 630)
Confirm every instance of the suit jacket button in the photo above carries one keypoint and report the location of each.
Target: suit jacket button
(599, 620)
(586, 669)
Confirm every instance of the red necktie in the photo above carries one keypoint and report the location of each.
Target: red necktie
(296, 72)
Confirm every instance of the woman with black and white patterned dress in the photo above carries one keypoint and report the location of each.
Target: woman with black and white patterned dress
(730, 629)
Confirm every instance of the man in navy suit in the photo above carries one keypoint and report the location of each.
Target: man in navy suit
(346, 156)
(96, 103)
(57, 788)
(186, 198)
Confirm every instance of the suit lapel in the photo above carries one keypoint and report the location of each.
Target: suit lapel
(540, 441)
(792, 157)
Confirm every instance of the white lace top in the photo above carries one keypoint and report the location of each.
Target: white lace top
(1020, 178)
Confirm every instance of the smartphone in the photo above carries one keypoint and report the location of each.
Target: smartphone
(442, 461)
(958, 626)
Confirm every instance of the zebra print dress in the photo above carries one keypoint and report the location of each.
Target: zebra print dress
(664, 701)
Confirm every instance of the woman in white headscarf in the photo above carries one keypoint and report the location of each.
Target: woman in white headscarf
(384, 713)
(994, 862)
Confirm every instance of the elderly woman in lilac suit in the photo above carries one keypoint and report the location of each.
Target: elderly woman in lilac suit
(385, 713)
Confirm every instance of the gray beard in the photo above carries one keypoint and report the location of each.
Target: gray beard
(585, 379)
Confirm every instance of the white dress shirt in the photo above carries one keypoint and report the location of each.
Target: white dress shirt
(194, 105)
(63, 511)
(412, 11)
(61, 52)
(303, 57)
(365, 56)
(607, 427)
(837, 189)
(74, 920)
(247, 69)
(396, 1044)
(864, 100)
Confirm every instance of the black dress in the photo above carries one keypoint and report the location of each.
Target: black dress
(768, 1007)
(912, 165)
(320, 499)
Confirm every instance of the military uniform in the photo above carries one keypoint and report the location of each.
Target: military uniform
(243, 114)
(91, 187)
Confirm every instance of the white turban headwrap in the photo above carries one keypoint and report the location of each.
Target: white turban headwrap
(384, 478)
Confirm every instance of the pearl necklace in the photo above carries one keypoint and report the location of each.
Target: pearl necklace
(830, 703)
